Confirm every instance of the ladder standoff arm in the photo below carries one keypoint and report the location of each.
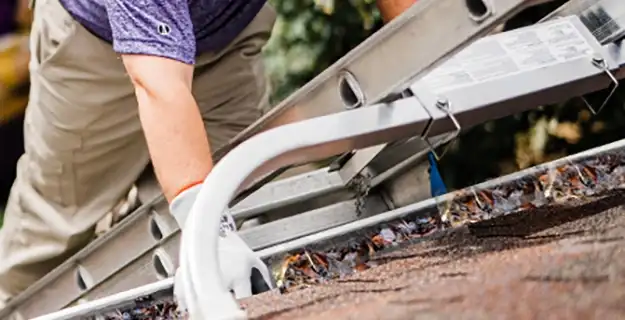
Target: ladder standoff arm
(199, 273)
(588, 67)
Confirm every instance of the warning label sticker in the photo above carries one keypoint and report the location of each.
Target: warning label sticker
(510, 53)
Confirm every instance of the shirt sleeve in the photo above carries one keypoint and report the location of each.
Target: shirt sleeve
(152, 27)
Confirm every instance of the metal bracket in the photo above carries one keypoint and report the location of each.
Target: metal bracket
(444, 106)
(600, 63)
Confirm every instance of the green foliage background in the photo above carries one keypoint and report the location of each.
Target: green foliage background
(307, 39)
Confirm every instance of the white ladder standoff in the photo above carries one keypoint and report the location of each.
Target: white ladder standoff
(384, 117)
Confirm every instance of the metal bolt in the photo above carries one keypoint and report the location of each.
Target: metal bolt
(598, 61)
(442, 103)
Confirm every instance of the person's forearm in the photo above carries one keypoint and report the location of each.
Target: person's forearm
(176, 137)
(171, 121)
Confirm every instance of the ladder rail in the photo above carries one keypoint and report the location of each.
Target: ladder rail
(407, 55)
(303, 104)
(139, 229)
(585, 75)
(265, 236)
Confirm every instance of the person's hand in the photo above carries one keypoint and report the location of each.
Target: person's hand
(243, 272)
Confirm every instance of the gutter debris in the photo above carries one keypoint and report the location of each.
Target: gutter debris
(144, 309)
(586, 179)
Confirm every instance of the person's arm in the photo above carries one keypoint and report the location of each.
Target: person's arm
(157, 46)
(171, 121)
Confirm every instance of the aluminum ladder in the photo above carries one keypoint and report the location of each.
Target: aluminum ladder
(383, 118)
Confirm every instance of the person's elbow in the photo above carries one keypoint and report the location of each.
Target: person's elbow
(158, 80)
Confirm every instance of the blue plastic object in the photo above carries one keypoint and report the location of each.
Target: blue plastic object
(437, 185)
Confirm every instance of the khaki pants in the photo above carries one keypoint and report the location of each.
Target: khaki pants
(83, 140)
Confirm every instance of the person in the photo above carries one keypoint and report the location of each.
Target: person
(116, 84)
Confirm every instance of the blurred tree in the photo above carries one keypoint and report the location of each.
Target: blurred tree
(312, 34)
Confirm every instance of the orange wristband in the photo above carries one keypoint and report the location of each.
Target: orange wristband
(187, 187)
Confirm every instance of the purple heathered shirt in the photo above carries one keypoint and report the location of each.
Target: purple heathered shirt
(176, 29)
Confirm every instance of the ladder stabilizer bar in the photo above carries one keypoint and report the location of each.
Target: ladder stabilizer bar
(199, 273)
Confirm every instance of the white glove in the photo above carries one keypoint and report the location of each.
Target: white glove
(180, 208)
(243, 272)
